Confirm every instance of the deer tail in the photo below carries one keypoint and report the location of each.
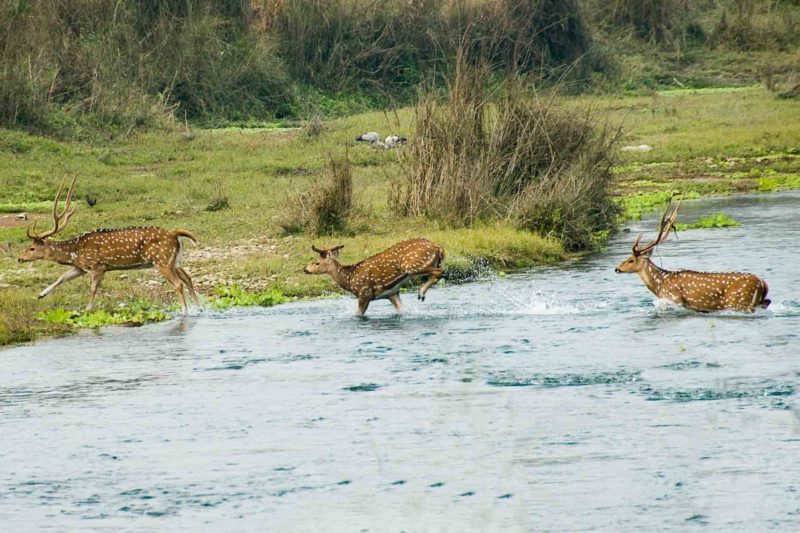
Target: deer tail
(764, 300)
(185, 233)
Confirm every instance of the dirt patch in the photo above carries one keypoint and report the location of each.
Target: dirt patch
(15, 221)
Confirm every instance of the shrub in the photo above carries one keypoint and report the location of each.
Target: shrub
(659, 21)
(523, 157)
(70, 66)
(326, 207)
(754, 25)
(219, 199)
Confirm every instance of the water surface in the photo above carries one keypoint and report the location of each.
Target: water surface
(559, 399)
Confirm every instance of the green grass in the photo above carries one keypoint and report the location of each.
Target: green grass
(703, 143)
(776, 183)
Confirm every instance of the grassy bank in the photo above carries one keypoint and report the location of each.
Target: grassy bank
(702, 142)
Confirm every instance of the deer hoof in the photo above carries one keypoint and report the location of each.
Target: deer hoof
(421, 296)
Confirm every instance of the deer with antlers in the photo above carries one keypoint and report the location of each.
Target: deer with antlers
(102, 250)
(384, 274)
(700, 291)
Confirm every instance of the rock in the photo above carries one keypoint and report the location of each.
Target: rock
(22, 216)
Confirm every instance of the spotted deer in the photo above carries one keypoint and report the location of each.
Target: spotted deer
(384, 274)
(99, 251)
(700, 291)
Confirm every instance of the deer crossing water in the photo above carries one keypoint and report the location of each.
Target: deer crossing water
(560, 399)
(700, 291)
(384, 274)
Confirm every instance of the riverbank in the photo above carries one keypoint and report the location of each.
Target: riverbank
(231, 186)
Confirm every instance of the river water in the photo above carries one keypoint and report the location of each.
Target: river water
(559, 399)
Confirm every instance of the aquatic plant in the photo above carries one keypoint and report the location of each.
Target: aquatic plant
(227, 296)
(717, 220)
(634, 206)
(137, 312)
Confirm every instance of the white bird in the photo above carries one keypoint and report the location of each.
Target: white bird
(369, 137)
(393, 140)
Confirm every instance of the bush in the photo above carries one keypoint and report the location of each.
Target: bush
(667, 22)
(388, 48)
(70, 66)
(754, 25)
(326, 207)
(523, 157)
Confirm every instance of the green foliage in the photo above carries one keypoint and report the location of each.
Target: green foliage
(136, 313)
(776, 183)
(227, 296)
(636, 205)
(717, 220)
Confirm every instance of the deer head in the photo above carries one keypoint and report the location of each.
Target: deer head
(327, 262)
(641, 253)
(39, 248)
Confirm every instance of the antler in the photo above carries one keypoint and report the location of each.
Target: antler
(60, 220)
(323, 251)
(667, 224)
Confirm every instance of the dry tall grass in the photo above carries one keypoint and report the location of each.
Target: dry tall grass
(510, 153)
(326, 207)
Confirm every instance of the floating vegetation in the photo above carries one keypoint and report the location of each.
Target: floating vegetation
(227, 296)
(135, 313)
(636, 205)
(717, 220)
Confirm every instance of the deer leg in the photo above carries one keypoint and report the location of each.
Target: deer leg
(187, 281)
(172, 277)
(363, 303)
(435, 275)
(97, 277)
(395, 299)
(70, 274)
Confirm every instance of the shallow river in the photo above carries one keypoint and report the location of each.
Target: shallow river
(560, 399)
